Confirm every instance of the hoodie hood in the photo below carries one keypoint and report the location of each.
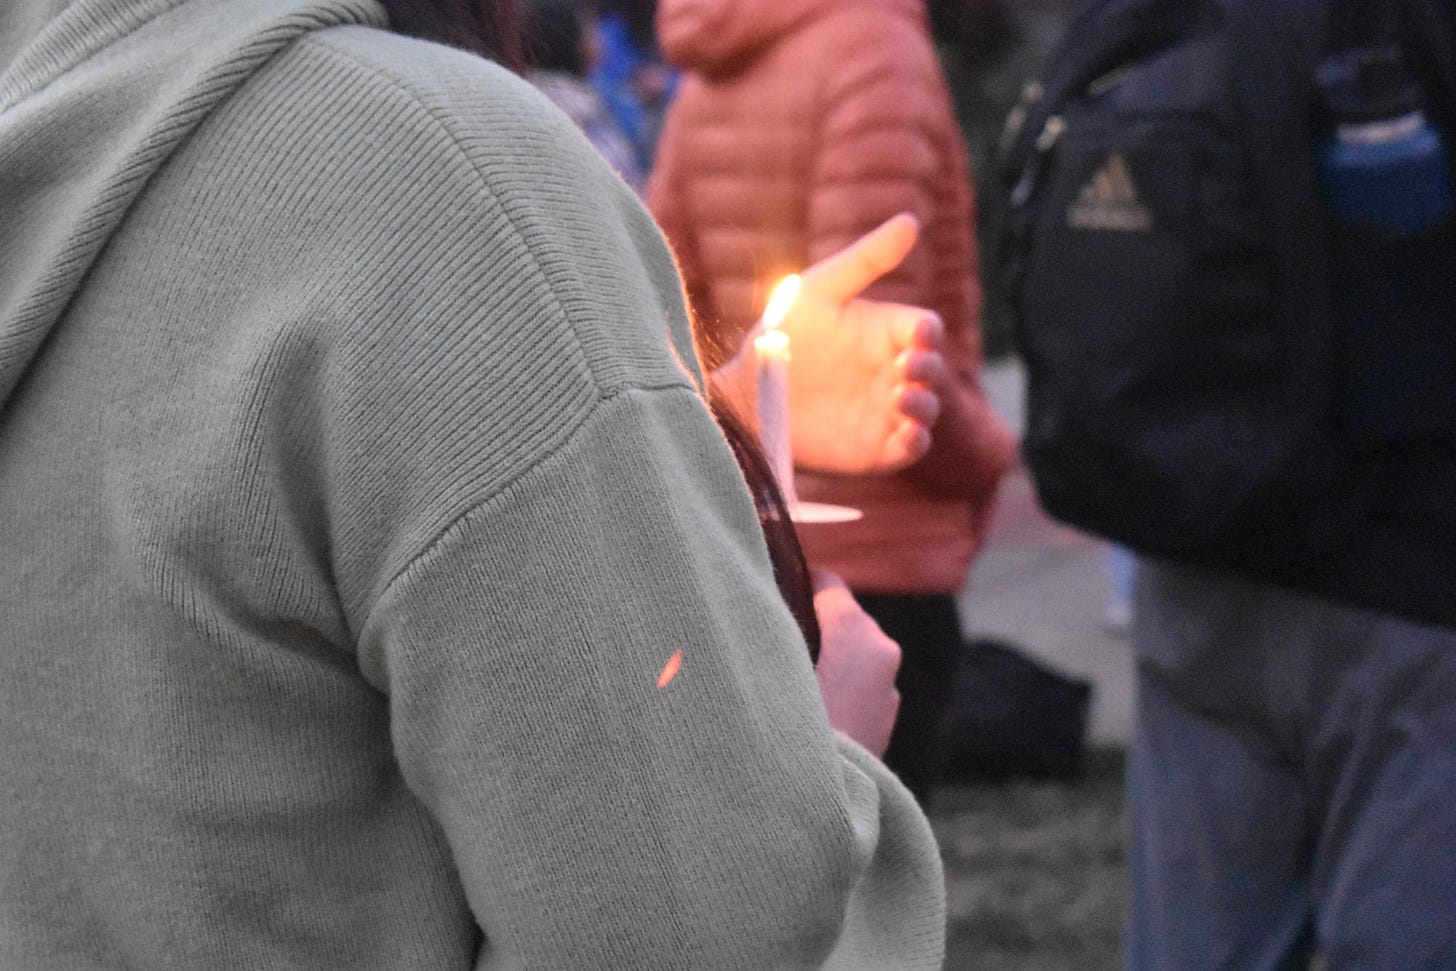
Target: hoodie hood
(95, 95)
(714, 37)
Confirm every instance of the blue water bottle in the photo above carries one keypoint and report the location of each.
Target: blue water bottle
(1385, 172)
(1384, 167)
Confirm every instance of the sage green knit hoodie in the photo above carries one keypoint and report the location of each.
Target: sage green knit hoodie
(353, 500)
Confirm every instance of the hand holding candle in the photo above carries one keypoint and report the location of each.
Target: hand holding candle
(865, 373)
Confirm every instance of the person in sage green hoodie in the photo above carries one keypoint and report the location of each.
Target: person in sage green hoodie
(379, 591)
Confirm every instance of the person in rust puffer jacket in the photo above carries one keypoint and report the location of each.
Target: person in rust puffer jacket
(801, 125)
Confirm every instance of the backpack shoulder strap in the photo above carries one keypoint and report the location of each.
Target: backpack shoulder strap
(1105, 35)
(1429, 29)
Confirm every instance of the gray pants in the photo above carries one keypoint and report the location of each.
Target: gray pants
(1292, 781)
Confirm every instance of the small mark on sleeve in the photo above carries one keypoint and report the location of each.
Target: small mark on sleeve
(670, 669)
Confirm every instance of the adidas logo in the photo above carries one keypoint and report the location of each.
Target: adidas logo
(1110, 201)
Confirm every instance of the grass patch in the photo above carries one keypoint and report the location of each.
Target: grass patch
(1035, 875)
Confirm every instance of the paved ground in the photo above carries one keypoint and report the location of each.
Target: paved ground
(1045, 588)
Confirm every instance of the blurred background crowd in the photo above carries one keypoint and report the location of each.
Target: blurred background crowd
(600, 62)
(1030, 814)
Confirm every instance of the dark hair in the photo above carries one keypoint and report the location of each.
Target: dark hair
(552, 36)
(485, 27)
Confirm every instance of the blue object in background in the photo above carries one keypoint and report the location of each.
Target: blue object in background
(1386, 173)
(612, 77)
(616, 78)
(1384, 167)
(1122, 573)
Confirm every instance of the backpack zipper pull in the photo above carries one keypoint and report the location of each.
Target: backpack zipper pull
(1050, 132)
(1031, 94)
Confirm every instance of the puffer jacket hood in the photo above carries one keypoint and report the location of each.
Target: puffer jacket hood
(715, 37)
(64, 189)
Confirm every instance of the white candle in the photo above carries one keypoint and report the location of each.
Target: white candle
(771, 351)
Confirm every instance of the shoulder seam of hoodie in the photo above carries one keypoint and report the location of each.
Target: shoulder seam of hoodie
(603, 389)
(603, 393)
(504, 493)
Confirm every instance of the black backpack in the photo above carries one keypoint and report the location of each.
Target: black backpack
(1183, 300)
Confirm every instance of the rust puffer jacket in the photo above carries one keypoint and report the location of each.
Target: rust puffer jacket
(800, 125)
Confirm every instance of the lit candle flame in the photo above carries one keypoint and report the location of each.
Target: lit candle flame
(781, 300)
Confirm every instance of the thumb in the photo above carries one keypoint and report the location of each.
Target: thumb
(847, 272)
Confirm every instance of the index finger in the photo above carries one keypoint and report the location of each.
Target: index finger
(864, 261)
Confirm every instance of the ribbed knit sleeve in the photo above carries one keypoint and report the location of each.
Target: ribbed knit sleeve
(495, 284)
(598, 693)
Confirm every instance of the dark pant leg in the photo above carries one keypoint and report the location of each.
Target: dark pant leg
(1385, 770)
(1220, 819)
(1295, 759)
(928, 631)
